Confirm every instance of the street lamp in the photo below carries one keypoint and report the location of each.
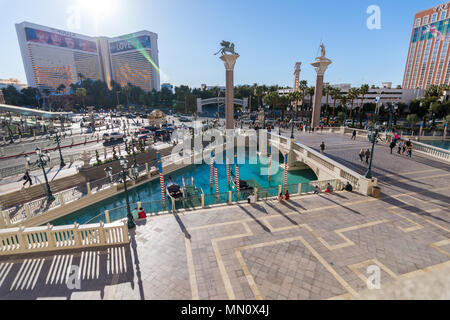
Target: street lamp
(43, 158)
(124, 165)
(58, 140)
(373, 135)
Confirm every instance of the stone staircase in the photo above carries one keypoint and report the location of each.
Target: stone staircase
(35, 192)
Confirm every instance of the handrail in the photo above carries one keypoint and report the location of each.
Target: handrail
(430, 150)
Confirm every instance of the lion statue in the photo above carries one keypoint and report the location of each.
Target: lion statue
(226, 47)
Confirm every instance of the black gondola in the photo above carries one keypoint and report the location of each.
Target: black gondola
(244, 186)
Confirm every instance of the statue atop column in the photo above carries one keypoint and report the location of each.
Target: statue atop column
(322, 50)
(229, 61)
(226, 47)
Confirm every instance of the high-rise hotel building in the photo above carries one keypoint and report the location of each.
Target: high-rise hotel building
(428, 57)
(53, 57)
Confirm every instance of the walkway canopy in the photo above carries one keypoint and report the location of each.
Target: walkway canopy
(34, 112)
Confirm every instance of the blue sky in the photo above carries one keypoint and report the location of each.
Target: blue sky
(270, 36)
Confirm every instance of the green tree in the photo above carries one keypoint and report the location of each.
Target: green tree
(335, 95)
(412, 119)
(126, 91)
(352, 94)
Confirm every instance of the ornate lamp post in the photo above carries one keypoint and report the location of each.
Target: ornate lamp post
(373, 135)
(58, 142)
(43, 158)
(124, 165)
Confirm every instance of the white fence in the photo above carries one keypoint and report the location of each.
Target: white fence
(38, 239)
(431, 151)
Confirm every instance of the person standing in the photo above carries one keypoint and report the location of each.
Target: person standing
(322, 147)
(367, 156)
(354, 135)
(362, 154)
(392, 146)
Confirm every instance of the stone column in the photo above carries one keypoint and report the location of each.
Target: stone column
(229, 61)
(321, 64)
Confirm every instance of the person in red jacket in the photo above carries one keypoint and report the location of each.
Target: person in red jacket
(142, 214)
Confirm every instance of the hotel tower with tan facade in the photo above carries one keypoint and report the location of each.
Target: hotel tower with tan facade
(428, 57)
(52, 57)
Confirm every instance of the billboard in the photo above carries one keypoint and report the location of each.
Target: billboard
(58, 40)
(130, 44)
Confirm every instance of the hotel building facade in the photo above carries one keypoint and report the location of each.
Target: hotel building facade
(428, 57)
(52, 57)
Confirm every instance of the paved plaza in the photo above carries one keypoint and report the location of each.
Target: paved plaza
(311, 247)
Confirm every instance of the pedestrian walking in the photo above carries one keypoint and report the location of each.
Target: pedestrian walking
(322, 147)
(392, 146)
(354, 135)
(400, 147)
(367, 156)
(362, 154)
(27, 179)
(410, 150)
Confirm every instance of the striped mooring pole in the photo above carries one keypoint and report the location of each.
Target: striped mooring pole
(161, 180)
(216, 178)
(285, 172)
(212, 169)
(270, 163)
(228, 171)
(238, 184)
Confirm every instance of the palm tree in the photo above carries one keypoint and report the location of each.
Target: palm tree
(352, 94)
(362, 91)
(310, 92)
(327, 92)
(81, 92)
(258, 92)
(335, 95)
(46, 93)
(303, 86)
(126, 90)
(343, 102)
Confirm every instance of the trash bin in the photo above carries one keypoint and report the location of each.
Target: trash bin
(376, 191)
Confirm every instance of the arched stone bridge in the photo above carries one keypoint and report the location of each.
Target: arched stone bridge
(205, 102)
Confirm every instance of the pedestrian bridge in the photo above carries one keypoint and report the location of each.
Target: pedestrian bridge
(205, 102)
(301, 156)
(33, 112)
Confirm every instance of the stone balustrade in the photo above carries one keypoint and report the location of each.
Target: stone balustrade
(49, 238)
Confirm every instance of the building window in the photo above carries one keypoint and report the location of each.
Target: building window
(443, 15)
(433, 17)
(418, 22)
(425, 20)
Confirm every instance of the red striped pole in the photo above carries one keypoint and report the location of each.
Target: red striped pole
(161, 181)
(285, 172)
(270, 163)
(238, 184)
(216, 177)
(212, 169)
(228, 171)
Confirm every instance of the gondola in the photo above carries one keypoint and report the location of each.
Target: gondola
(174, 190)
(244, 186)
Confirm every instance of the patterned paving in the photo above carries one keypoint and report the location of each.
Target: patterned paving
(313, 247)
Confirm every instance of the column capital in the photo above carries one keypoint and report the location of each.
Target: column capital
(229, 60)
(321, 65)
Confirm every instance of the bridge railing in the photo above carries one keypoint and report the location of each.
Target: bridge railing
(41, 239)
(324, 167)
(431, 151)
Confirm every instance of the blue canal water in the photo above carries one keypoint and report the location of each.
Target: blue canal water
(150, 194)
(440, 144)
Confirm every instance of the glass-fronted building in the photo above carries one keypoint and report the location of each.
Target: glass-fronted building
(53, 57)
(428, 56)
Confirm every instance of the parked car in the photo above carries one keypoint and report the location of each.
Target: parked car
(89, 130)
(113, 136)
